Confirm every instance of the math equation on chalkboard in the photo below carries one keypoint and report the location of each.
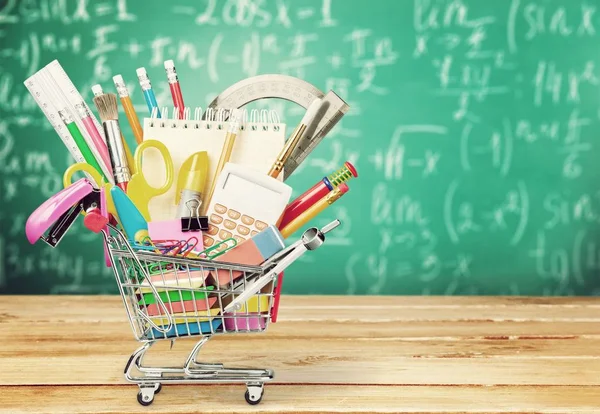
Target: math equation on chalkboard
(474, 126)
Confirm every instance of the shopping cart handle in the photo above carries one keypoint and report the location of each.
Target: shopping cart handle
(328, 227)
(250, 291)
(312, 239)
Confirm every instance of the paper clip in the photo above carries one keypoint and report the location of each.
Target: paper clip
(207, 253)
(195, 222)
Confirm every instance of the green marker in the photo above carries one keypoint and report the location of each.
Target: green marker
(81, 143)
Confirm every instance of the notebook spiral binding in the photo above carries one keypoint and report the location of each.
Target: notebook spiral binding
(256, 120)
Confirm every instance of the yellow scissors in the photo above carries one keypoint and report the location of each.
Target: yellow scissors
(138, 189)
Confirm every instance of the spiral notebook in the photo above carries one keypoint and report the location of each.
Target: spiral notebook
(257, 146)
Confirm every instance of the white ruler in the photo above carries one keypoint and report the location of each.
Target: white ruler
(71, 97)
(34, 86)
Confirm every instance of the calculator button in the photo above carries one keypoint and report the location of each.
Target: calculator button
(239, 239)
(220, 208)
(253, 233)
(208, 241)
(216, 219)
(212, 230)
(234, 214)
(229, 225)
(222, 247)
(247, 220)
(260, 225)
(224, 234)
(243, 230)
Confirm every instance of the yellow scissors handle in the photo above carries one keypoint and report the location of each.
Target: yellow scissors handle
(83, 167)
(138, 189)
(139, 152)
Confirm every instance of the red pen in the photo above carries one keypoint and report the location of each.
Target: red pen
(317, 192)
(175, 88)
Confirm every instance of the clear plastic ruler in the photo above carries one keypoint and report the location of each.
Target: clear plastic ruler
(293, 90)
(71, 97)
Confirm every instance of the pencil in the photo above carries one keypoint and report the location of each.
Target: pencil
(293, 140)
(234, 127)
(130, 113)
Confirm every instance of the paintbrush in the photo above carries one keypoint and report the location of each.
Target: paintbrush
(109, 115)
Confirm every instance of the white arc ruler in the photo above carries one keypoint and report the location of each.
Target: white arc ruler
(293, 90)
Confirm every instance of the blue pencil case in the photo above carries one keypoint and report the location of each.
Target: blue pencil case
(189, 329)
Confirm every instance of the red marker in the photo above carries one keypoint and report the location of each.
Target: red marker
(317, 192)
(175, 87)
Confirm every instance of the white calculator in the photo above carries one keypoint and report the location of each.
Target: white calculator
(244, 203)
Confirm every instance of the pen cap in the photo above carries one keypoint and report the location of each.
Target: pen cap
(192, 174)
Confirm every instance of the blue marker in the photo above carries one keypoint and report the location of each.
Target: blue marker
(132, 221)
(148, 92)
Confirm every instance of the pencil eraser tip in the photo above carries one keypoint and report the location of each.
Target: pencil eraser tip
(118, 79)
(344, 188)
(351, 168)
(169, 64)
(140, 71)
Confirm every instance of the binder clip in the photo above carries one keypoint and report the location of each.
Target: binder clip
(194, 222)
(50, 221)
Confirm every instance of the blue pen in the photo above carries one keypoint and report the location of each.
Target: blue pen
(148, 92)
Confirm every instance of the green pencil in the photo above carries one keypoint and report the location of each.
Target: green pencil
(81, 143)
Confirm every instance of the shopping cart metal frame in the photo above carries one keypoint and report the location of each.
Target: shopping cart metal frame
(154, 287)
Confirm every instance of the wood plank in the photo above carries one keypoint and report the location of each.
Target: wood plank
(304, 399)
(41, 309)
(572, 361)
(330, 369)
(435, 330)
(255, 345)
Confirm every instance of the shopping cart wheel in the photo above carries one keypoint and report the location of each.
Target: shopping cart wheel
(146, 396)
(254, 394)
(158, 388)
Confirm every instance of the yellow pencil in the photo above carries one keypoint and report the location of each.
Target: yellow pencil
(234, 127)
(132, 117)
(315, 209)
(293, 140)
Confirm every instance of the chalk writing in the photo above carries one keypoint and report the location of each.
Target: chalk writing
(474, 128)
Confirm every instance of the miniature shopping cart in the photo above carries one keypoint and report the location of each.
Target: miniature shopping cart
(170, 297)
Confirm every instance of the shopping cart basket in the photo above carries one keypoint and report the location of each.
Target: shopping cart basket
(169, 297)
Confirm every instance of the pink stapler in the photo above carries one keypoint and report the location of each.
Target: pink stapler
(59, 212)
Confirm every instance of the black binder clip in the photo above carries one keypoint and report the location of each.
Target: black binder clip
(194, 222)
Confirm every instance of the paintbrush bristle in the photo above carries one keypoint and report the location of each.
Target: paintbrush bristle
(107, 106)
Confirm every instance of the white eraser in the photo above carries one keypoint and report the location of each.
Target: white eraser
(140, 71)
(97, 90)
(169, 64)
(118, 79)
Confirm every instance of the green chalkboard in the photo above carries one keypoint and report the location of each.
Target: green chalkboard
(474, 126)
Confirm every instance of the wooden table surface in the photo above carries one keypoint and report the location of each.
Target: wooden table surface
(347, 354)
